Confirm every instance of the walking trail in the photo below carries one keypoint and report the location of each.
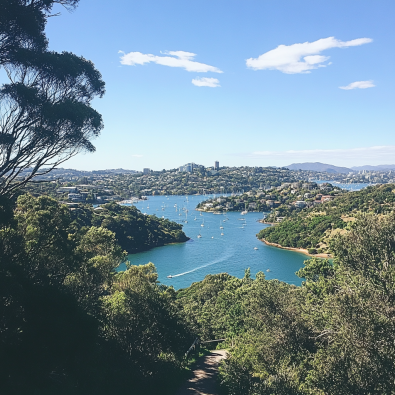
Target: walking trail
(203, 381)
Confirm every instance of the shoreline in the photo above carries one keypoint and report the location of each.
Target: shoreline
(227, 211)
(301, 250)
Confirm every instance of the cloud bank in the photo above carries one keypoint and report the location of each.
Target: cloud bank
(302, 57)
(180, 59)
(358, 85)
(203, 81)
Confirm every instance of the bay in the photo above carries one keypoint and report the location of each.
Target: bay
(349, 187)
(233, 252)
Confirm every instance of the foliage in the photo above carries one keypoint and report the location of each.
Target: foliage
(334, 335)
(312, 228)
(45, 107)
(134, 231)
(69, 323)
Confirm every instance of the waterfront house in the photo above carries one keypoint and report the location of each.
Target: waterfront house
(300, 204)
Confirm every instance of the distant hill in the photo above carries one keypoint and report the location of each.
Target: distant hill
(317, 166)
(376, 168)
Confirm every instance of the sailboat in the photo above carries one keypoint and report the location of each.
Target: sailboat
(199, 236)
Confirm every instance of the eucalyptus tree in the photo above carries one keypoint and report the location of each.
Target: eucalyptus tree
(45, 108)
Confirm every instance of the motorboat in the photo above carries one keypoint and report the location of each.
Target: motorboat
(169, 276)
(255, 248)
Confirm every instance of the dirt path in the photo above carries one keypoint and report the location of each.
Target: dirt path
(203, 381)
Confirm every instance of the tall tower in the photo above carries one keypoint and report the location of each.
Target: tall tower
(216, 165)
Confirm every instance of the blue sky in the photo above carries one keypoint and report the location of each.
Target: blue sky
(269, 101)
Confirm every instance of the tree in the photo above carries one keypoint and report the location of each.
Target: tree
(45, 111)
(22, 24)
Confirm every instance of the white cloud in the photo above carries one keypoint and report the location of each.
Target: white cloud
(176, 59)
(302, 57)
(203, 81)
(137, 155)
(358, 85)
(348, 157)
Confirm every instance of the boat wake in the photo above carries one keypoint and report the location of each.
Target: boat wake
(219, 260)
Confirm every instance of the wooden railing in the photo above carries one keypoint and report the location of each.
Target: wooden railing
(195, 347)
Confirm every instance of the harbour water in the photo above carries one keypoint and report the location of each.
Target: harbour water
(349, 187)
(228, 244)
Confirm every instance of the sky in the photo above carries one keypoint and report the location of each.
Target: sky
(245, 83)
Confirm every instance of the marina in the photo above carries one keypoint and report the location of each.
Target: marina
(230, 246)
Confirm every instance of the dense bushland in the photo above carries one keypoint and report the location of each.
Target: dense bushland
(133, 230)
(313, 227)
(333, 335)
(69, 324)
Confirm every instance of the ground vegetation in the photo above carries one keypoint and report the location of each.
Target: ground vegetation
(312, 228)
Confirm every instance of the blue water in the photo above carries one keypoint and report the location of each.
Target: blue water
(212, 253)
(349, 187)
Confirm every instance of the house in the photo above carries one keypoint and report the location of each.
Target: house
(75, 197)
(68, 189)
(327, 198)
(300, 204)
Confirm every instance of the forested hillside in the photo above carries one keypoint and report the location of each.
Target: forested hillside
(312, 228)
(69, 324)
(133, 230)
(334, 335)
